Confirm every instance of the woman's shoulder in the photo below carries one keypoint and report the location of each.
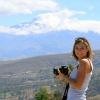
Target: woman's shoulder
(84, 61)
(85, 65)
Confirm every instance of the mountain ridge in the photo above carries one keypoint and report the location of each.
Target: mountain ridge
(32, 63)
(53, 42)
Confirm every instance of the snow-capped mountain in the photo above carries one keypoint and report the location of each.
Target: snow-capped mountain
(53, 42)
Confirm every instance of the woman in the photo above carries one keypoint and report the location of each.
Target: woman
(79, 78)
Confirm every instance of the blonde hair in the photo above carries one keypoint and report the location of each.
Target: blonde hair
(86, 43)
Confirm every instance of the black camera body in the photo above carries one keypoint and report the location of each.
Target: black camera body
(63, 69)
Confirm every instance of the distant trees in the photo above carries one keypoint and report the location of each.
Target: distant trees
(45, 94)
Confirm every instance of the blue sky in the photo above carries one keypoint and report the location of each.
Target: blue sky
(77, 15)
(90, 7)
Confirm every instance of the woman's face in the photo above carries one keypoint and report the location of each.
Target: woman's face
(81, 50)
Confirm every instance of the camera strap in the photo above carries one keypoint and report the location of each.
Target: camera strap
(77, 66)
(65, 92)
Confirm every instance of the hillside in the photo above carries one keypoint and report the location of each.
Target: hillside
(97, 97)
(33, 63)
(36, 72)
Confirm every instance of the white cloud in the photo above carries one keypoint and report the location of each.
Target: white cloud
(9, 7)
(61, 20)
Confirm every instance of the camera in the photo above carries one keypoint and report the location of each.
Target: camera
(63, 69)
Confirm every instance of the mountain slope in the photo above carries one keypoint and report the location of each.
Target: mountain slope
(56, 42)
(97, 97)
(40, 69)
(32, 63)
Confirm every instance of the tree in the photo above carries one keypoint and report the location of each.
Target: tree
(42, 94)
(71, 67)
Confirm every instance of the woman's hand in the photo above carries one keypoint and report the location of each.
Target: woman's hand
(61, 75)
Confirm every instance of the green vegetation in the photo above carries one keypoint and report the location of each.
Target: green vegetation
(42, 94)
(5, 95)
(45, 94)
(71, 67)
(2, 95)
